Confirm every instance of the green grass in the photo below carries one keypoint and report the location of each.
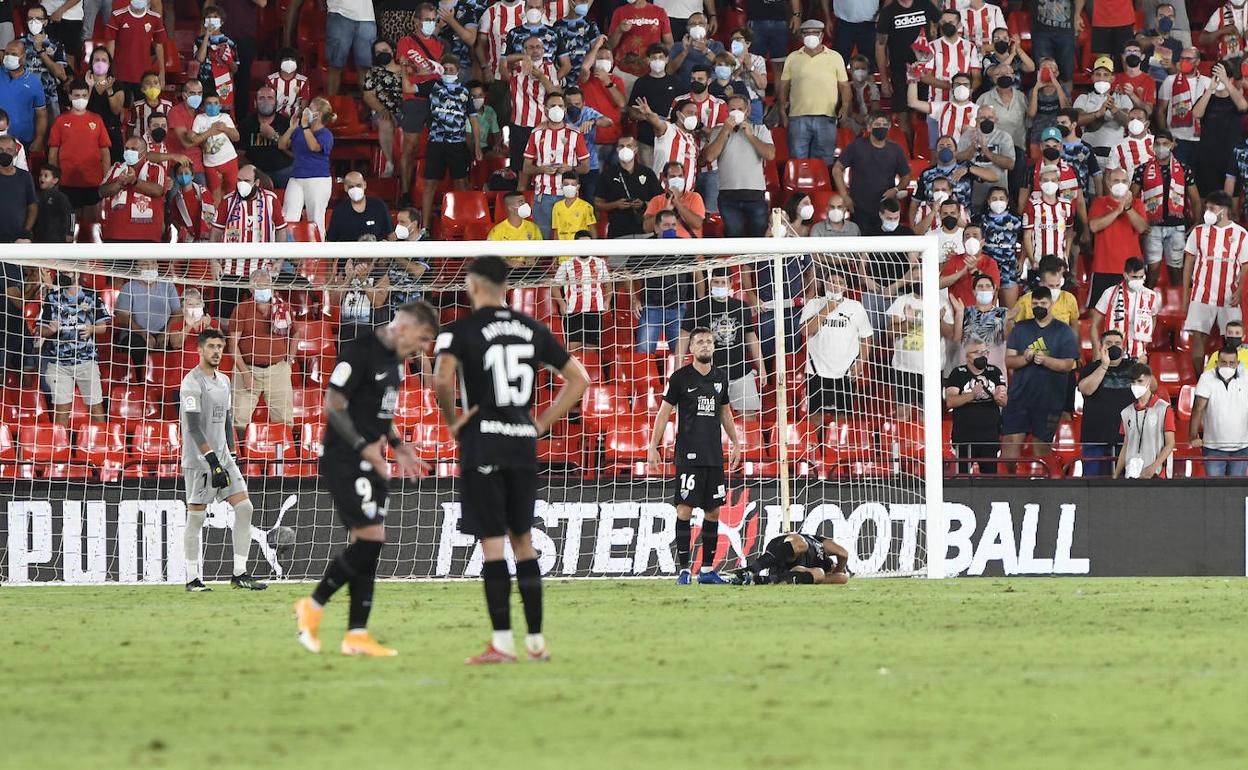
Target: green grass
(971, 673)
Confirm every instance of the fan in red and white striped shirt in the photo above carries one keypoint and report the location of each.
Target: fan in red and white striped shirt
(1220, 252)
(1048, 218)
(1136, 149)
(712, 112)
(496, 21)
(951, 56)
(953, 117)
(557, 146)
(582, 280)
(528, 91)
(979, 22)
(290, 92)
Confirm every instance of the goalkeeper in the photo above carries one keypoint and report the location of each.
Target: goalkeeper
(797, 559)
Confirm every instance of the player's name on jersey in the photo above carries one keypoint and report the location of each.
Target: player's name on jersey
(506, 328)
(508, 429)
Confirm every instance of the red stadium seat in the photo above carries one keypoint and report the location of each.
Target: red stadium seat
(132, 404)
(157, 441)
(416, 406)
(311, 441)
(627, 441)
(462, 211)
(806, 174)
(304, 231)
(102, 444)
(22, 405)
(603, 406)
(433, 443)
(8, 449)
(636, 371)
(270, 441)
(780, 140)
(44, 443)
(1173, 369)
(307, 405)
(1187, 399)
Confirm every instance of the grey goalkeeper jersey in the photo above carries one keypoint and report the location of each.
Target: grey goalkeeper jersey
(205, 407)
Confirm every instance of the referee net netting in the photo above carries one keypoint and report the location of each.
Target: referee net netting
(833, 433)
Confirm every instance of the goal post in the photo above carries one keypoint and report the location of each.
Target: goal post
(100, 502)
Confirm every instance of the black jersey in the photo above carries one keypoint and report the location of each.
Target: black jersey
(368, 374)
(815, 555)
(698, 400)
(499, 352)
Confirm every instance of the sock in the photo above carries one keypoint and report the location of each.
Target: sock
(498, 601)
(337, 574)
(778, 552)
(190, 543)
(362, 584)
(797, 578)
(503, 641)
(684, 533)
(534, 642)
(242, 535)
(710, 543)
(529, 581)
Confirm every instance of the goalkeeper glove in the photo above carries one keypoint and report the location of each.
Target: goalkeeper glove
(220, 479)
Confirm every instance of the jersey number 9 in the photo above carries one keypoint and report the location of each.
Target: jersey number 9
(513, 376)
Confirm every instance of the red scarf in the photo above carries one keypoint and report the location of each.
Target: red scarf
(1182, 99)
(1151, 191)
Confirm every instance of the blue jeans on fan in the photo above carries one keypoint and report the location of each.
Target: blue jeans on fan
(771, 38)
(767, 332)
(1100, 467)
(706, 184)
(658, 322)
(813, 136)
(1225, 462)
(543, 209)
(1058, 44)
(855, 33)
(743, 219)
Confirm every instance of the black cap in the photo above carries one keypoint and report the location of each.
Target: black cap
(492, 268)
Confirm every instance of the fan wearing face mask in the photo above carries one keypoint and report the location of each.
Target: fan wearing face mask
(532, 23)
(1232, 337)
(952, 54)
(711, 113)
(954, 117)
(694, 48)
(291, 88)
(961, 270)
(358, 214)
(1167, 187)
(975, 393)
(838, 345)
(675, 140)
(1117, 220)
(1220, 405)
(989, 149)
(1214, 271)
(1105, 383)
(1176, 101)
(135, 36)
(579, 41)
(142, 314)
(877, 167)
(147, 104)
(79, 144)
(1221, 114)
(1128, 307)
(554, 148)
(260, 130)
(813, 95)
(1048, 222)
(836, 223)
(1148, 428)
(132, 197)
(741, 148)
(1002, 231)
(635, 28)
(1136, 147)
(217, 55)
(686, 202)
(1103, 110)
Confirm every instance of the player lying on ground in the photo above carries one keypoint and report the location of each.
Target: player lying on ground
(699, 394)
(797, 559)
(208, 465)
(359, 409)
(495, 352)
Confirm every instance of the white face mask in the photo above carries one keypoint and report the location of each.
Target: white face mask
(961, 93)
(998, 206)
(604, 65)
(244, 188)
(836, 216)
(1136, 285)
(835, 296)
(524, 211)
(626, 154)
(806, 212)
(972, 246)
(1048, 188)
(1226, 372)
(555, 114)
(860, 75)
(569, 191)
(401, 232)
(939, 197)
(533, 17)
(720, 292)
(984, 297)
(193, 314)
(1211, 217)
(889, 225)
(1162, 152)
(1136, 127)
(355, 193)
(690, 122)
(1118, 189)
(428, 27)
(697, 33)
(1139, 391)
(478, 104)
(812, 41)
(78, 104)
(34, 26)
(658, 66)
(148, 275)
(676, 184)
(289, 66)
(738, 116)
(1101, 86)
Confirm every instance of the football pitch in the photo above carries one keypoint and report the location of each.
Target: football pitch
(967, 673)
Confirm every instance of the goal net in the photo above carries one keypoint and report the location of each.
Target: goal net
(832, 386)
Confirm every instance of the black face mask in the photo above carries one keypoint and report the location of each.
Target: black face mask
(879, 133)
(948, 30)
(1063, 130)
(949, 222)
(697, 88)
(65, 280)
(382, 58)
(6, 159)
(980, 362)
(1232, 342)
(1115, 352)
(574, 114)
(1001, 46)
(158, 134)
(1005, 81)
(1040, 313)
(1131, 60)
(986, 126)
(1052, 153)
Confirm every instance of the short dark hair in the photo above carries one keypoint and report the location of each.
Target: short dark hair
(52, 168)
(890, 205)
(1138, 370)
(208, 335)
(512, 196)
(700, 330)
(1162, 133)
(654, 48)
(78, 85)
(571, 176)
(551, 95)
(490, 267)
(583, 234)
(1132, 265)
(877, 115)
(1219, 198)
(1041, 292)
(471, 84)
(572, 91)
(422, 312)
(1069, 112)
(1229, 351)
(701, 68)
(1113, 333)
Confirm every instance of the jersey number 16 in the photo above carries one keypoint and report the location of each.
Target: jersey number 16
(513, 376)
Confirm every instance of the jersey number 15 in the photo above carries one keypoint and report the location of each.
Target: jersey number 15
(513, 376)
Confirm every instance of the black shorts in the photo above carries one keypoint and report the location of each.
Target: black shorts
(907, 387)
(81, 197)
(495, 503)
(700, 487)
(413, 115)
(444, 156)
(826, 394)
(359, 495)
(1110, 40)
(583, 328)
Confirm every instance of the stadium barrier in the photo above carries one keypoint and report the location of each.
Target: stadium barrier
(133, 532)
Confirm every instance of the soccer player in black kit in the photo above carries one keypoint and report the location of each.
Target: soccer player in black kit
(699, 394)
(359, 407)
(495, 353)
(797, 559)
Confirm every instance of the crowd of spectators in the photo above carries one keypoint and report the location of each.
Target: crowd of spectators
(1062, 152)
